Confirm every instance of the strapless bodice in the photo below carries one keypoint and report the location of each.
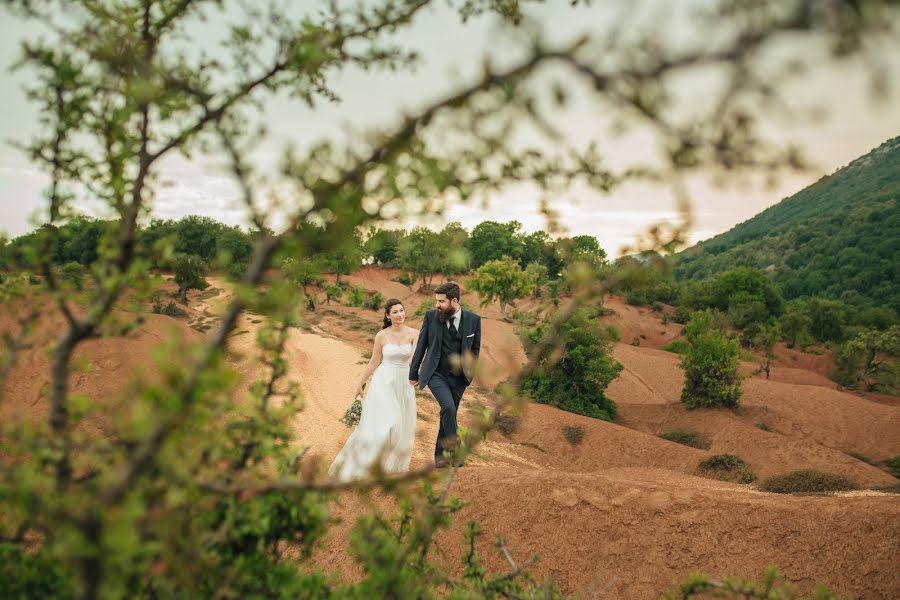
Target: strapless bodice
(396, 355)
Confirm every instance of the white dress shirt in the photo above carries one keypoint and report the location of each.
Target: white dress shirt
(455, 319)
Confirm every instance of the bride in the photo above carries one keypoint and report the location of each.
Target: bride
(387, 425)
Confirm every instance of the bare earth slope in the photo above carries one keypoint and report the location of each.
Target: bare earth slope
(623, 514)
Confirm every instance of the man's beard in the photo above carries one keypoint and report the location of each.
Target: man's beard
(444, 315)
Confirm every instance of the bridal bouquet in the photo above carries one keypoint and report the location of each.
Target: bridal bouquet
(351, 417)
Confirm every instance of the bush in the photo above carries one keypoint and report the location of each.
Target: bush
(807, 481)
(678, 346)
(686, 437)
(73, 274)
(333, 292)
(576, 378)
(375, 301)
(635, 298)
(727, 467)
(507, 423)
(682, 315)
(893, 466)
(711, 377)
(404, 278)
(764, 426)
(862, 457)
(170, 309)
(32, 575)
(574, 434)
(357, 297)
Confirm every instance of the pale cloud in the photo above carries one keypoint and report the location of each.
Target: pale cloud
(452, 55)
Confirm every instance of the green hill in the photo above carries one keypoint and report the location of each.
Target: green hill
(839, 238)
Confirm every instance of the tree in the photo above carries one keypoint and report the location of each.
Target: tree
(455, 239)
(794, 324)
(537, 273)
(421, 253)
(344, 259)
(190, 274)
(303, 272)
(503, 280)
(585, 248)
(538, 247)
(492, 241)
(574, 373)
(197, 235)
(710, 364)
(193, 497)
(869, 361)
(826, 319)
(381, 245)
(765, 341)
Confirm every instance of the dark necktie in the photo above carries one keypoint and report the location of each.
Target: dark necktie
(452, 328)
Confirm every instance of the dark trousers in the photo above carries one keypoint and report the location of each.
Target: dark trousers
(448, 391)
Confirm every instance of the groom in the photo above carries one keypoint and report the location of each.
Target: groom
(452, 338)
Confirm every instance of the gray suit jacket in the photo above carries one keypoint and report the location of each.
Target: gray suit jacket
(429, 346)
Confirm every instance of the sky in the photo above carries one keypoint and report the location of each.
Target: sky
(452, 53)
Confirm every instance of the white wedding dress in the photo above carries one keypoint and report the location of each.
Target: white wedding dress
(387, 425)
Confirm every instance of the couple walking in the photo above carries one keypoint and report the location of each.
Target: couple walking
(441, 356)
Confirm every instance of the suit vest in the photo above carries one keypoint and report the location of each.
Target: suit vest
(450, 344)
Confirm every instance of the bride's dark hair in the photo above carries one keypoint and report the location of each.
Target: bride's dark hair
(387, 310)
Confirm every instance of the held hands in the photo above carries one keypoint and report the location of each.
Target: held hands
(414, 382)
(359, 390)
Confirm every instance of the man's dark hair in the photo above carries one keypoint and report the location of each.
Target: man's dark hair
(449, 289)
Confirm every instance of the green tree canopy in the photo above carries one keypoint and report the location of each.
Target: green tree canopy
(503, 280)
(492, 241)
(574, 375)
(422, 253)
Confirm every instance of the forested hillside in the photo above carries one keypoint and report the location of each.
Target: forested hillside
(837, 238)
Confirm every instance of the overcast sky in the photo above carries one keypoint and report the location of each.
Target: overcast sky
(451, 53)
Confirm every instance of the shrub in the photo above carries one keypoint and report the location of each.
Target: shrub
(356, 297)
(807, 481)
(404, 278)
(575, 376)
(635, 298)
(573, 434)
(426, 305)
(170, 309)
(333, 292)
(686, 437)
(27, 575)
(678, 346)
(73, 274)
(682, 315)
(862, 457)
(656, 306)
(764, 426)
(508, 423)
(727, 467)
(711, 377)
(375, 301)
(893, 466)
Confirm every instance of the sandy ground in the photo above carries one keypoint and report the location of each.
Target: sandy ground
(621, 515)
